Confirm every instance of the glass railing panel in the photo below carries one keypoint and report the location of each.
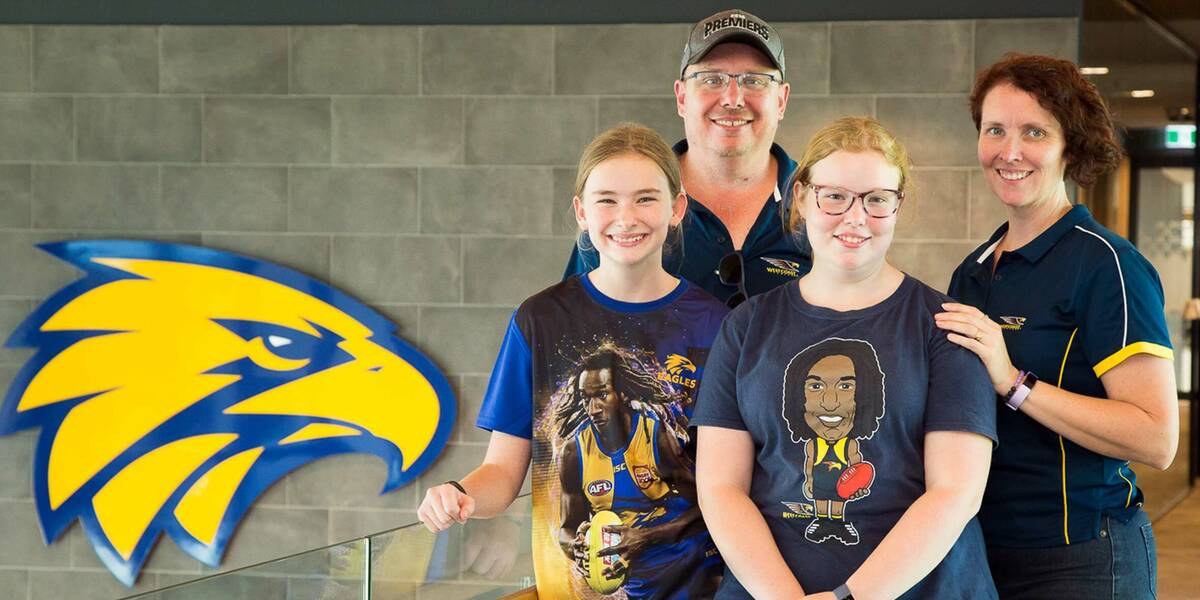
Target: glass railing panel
(298, 577)
(482, 560)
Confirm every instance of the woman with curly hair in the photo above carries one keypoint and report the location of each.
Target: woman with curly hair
(1068, 319)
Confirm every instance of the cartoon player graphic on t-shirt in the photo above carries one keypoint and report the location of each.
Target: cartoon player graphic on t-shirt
(833, 399)
(621, 455)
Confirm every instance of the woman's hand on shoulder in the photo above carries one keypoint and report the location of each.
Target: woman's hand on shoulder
(968, 327)
(443, 506)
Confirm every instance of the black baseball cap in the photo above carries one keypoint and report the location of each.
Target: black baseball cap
(732, 25)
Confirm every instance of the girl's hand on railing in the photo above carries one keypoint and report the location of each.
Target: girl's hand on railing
(443, 506)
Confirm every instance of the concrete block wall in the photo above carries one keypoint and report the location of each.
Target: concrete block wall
(425, 170)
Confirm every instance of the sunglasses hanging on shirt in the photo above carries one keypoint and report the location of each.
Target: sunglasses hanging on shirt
(731, 270)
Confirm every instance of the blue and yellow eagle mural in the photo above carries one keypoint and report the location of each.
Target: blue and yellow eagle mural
(173, 384)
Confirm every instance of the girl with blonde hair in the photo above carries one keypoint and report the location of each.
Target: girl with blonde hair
(844, 442)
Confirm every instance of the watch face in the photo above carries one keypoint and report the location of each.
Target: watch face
(1030, 379)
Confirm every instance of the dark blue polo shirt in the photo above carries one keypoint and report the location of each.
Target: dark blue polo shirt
(1073, 303)
(770, 255)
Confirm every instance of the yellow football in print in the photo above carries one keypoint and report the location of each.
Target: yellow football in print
(597, 540)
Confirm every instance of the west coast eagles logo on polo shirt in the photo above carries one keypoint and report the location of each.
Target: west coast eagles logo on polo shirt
(1012, 323)
(782, 267)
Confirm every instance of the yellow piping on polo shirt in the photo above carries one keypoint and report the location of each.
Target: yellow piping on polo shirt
(1119, 356)
(1061, 445)
(1128, 498)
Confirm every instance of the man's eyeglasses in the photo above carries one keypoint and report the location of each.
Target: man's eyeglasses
(717, 81)
(880, 203)
(731, 270)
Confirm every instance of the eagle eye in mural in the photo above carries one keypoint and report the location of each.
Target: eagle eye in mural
(173, 384)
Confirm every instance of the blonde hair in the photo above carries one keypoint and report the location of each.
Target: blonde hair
(849, 134)
(630, 138)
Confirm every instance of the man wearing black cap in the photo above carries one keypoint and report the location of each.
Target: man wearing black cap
(731, 95)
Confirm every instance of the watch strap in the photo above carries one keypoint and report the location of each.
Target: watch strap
(1021, 390)
(842, 592)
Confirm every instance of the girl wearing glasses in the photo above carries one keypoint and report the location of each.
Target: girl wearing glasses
(844, 442)
(595, 382)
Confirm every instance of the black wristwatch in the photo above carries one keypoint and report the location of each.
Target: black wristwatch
(842, 592)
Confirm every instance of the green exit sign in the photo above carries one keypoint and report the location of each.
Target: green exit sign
(1181, 136)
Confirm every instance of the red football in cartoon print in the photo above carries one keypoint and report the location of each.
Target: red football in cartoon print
(854, 478)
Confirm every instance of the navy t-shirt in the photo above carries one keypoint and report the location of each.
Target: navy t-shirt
(654, 354)
(770, 256)
(821, 392)
(1073, 303)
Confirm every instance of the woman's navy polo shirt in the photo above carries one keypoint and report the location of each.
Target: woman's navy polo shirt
(1073, 303)
(770, 255)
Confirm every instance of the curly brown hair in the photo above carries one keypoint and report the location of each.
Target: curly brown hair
(1092, 148)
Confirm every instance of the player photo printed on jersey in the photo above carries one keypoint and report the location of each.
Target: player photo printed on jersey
(610, 453)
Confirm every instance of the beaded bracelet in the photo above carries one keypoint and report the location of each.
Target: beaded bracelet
(1020, 390)
(1016, 384)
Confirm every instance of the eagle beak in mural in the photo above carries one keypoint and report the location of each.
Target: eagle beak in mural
(359, 398)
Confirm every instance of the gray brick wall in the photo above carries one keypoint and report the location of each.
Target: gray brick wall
(425, 170)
